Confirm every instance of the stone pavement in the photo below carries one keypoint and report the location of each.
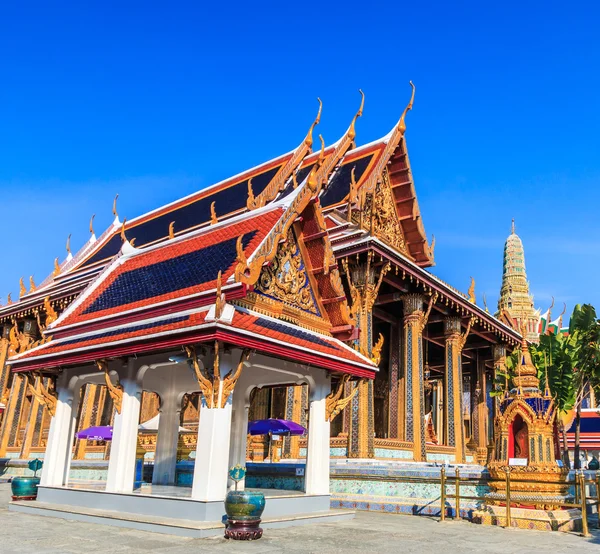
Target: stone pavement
(369, 532)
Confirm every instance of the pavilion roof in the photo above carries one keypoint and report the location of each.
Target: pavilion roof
(245, 328)
(230, 198)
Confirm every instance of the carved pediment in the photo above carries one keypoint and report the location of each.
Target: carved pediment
(286, 278)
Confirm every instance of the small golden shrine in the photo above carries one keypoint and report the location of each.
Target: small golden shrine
(525, 454)
(525, 438)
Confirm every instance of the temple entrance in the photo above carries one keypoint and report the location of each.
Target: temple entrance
(520, 439)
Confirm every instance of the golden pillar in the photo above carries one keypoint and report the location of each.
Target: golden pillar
(453, 405)
(32, 417)
(481, 412)
(85, 421)
(414, 324)
(10, 423)
(397, 393)
(4, 370)
(295, 410)
(364, 281)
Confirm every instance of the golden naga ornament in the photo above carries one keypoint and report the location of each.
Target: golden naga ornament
(334, 403)
(115, 391)
(32, 286)
(8, 298)
(376, 350)
(44, 395)
(123, 236)
(210, 386)
(471, 291)
(68, 245)
(56, 268)
(220, 298)
(92, 225)
(51, 315)
(22, 289)
(172, 230)
(213, 214)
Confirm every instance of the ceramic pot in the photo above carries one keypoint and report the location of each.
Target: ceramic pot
(244, 509)
(24, 488)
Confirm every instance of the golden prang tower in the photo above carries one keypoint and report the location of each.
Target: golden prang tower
(515, 300)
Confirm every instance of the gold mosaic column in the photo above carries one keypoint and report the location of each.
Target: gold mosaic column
(453, 405)
(414, 323)
(4, 370)
(396, 394)
(499, 354)
(481, 413)
(295, 410)
(13, 412)
(32, 417)
(85, 420)
(364, 280)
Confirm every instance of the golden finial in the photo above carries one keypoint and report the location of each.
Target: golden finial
(69, 244)
(32, 286)
(172, 230)
(250, 201)
(114, 210)
(22, 289)
(239, 248)
(9, 299)
(56, 268)
(92, 225)
(123, 237)
(485, 304)
(512, 227)
(309, 139)
(402, 123)
(213, 214)
(472, 291)
(352, 130)
(219, 304)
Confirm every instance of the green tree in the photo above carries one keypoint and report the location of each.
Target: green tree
(584, 330)
(572, 364)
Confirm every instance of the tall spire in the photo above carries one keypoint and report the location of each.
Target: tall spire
(514, 294)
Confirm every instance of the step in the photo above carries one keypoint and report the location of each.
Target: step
(165, 525)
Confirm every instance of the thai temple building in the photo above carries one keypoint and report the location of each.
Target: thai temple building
(300, 289)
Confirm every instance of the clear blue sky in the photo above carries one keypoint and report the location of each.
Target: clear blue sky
(157, 100)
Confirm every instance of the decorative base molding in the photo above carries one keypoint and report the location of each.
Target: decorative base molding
(525, 518)
(240, 530)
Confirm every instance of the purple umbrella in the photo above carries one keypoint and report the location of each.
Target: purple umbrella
(96, 433)
(275, 427)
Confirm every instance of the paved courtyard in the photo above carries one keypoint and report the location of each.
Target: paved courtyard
(368, 532)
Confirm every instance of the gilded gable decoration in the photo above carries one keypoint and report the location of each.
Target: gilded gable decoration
(286, 279)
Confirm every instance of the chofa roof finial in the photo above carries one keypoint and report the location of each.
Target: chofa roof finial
(352, 130)
(402, 123)
(114, 210)
(309, 138)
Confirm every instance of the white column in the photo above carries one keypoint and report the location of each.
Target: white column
(60, 438)
(121, 466)
(317, 455)
(212, 453)
(165, 457)
(239, 432)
